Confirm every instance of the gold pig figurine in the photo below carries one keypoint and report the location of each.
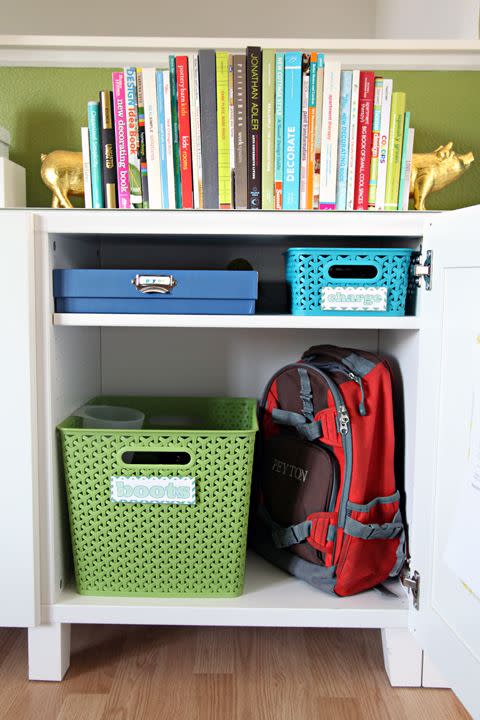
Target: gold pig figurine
(434, 171)
(62, 173)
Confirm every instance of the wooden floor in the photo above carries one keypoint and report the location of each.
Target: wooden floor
(143, 673)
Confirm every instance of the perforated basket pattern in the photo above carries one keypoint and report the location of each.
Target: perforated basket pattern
(307, 273)
(159, 550)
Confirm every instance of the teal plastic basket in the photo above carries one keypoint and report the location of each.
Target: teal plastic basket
(136, 547)
(311, 271)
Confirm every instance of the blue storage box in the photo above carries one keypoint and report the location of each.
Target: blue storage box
(348, 281)
(184, 292)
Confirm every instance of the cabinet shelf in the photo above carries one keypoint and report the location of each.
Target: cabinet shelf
(271, 599)
(285, 322)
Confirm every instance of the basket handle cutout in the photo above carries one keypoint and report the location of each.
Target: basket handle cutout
(156, 457)
(352, 272)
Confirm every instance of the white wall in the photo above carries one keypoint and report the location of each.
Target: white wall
(208, 18)
(427, 19)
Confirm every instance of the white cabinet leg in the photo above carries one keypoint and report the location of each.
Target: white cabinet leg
(48, 651)
(402, 657)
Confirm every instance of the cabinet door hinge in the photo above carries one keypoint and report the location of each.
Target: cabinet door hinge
(423, 269)
(411, 581)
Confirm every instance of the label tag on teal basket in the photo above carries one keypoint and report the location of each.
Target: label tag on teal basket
(355, 298)
(152, 489)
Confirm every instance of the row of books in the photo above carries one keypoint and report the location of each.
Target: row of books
(261, 130)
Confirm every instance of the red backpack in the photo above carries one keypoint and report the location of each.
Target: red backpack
(326, 507)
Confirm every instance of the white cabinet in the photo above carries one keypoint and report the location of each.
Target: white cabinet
(53, 363)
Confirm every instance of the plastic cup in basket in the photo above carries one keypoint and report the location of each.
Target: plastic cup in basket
(111, 417)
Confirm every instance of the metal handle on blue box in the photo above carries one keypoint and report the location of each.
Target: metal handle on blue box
(158, 284)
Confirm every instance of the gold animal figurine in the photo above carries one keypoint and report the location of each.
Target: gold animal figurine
(433, 171)
(62, 173)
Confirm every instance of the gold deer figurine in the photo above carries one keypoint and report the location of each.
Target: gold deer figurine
(62, 173)
(435, 170)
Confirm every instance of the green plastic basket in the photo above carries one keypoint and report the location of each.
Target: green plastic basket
(125, 548)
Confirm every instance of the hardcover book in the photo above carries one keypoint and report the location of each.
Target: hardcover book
(343, 138)
(87, 179)
(181, 62)
(312, 122)
(377, 116)
(364, 139)
(403, 162)
(142, 147)
(394, 150)
(328, 159)
(167, 109)
(223, 131)
(231, 127)
(162, 140)
(278, 179)
(175, 133)
(318, 130)
(254, 128)
(107, 132)
(383, 143)
(292, 130)
(352, 144)
(121, 143)
(132, 137)
(208, 113)
(95, 154)
(304, 130)
(268, 128)
(152, 146)
(195, 131)
(240, 145)
(408, 169)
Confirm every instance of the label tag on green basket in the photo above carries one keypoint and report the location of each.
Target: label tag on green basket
(152, 489)
(355, 298)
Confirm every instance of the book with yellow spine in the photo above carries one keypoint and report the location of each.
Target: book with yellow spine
(394, 159)
(223, 131)
(268, 129)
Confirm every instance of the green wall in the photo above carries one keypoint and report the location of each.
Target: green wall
(44, 108)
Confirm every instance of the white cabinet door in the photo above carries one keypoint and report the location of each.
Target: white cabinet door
(19, 597)
(446, 516)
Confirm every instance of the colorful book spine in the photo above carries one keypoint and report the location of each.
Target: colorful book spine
(268, 128)
(181, 62)
(328, 159)
(95, 153)
(377, 117)
(87, 178)
(208, 113)
(304, 130)
(132, 137)
(278, 177)
(162, 140)
(231, 127)
(312, 121)
(175, 132)
(364, 139)
(121, 142)
(195, 100)
(383, 144)
(240, 131)
(343, 138)
(254, 128)
(394, 150)
(223, 132)
(318, 130)
(107, 133)
(292, 130)
(403, 162)
(167, 108)
(352, 149)
(142, 147)
(194, 120)
(152, 147)
(408, 169)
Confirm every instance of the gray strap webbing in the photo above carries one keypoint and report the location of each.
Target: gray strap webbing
(401, 551)
(310, 431)
(381, 500)
(306, 393)
(285, 536)
(387, 531)
(358, 364)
